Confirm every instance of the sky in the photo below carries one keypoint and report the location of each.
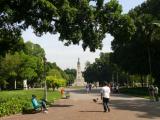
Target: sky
(67, 56)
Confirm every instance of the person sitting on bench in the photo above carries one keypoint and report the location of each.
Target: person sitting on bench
(43, 105)
(39, 106)
(35, 103)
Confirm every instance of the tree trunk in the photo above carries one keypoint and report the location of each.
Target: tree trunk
(147, 81)
(133, 82)
(142, 81)
(127, 80)
(53, 87)
(117, 79)
(15, 84)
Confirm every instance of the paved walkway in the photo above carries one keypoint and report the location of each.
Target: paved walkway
(81, 107)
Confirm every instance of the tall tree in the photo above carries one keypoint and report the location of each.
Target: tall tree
(100, 70)
(140, 53)
(74, 20)
(71, 73)
(9, 69)
(34, 49)
(103, 69)
(55, 79)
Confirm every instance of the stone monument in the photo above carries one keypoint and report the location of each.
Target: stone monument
(25, 86)
(79, 81)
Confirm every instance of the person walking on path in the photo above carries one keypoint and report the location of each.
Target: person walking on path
(90, 87)
(87, 88)
(152, 93)
(105, 96)
(117, 89)
(156, 93)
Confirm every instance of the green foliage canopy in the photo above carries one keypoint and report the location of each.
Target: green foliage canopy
(74, 20)
(140, 54)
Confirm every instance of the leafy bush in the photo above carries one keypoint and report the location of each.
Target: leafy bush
(12, 102)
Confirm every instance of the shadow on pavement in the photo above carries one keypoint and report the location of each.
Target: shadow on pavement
(122, 95)
(58, 105)
(30, 111)
(83, 91)
(143, 107)
(90, 111)
(148, 109)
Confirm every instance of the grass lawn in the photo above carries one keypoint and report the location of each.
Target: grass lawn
(12, 102)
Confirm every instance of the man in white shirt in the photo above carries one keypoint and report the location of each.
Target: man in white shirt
(105, 95)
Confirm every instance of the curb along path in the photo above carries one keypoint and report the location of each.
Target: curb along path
(81, 107)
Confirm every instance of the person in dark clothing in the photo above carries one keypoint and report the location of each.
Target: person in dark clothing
(43, 105)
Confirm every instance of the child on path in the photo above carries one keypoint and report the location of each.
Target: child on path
(62, 92)
(87, 88)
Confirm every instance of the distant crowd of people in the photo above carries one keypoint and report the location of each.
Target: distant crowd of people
(113, 88)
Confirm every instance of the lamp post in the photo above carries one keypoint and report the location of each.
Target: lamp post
(149, 62)
(45, 84)
(113, 79)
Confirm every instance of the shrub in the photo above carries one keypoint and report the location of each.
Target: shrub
(12, 102)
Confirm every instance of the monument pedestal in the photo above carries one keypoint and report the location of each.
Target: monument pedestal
(79, 84)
